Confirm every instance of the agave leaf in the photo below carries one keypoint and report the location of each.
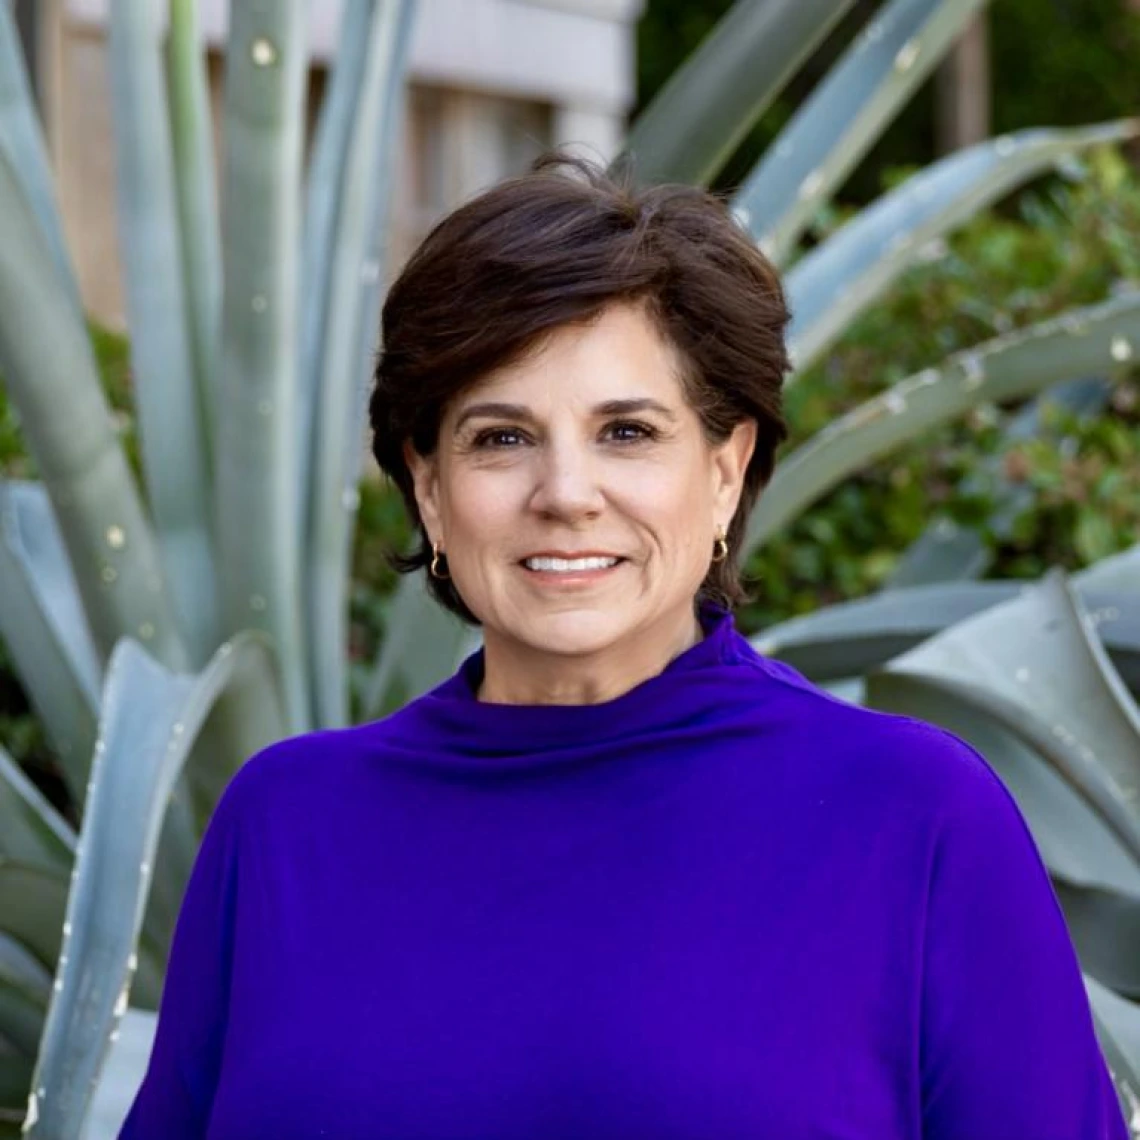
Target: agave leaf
(852, 638)
(840, 279)
(108, 537)
(122, 1074)
(1121, 637)
(323, 191)
(19, 965)
(1006, 368)
(152, 713)
(194, 182)
(1117, 1023)
(44, 627)
(351, 300)
(21, 1016)
(1105, 926)
(22, 143)
(1083, 830)
(946, 551)
(422, 645)
(32, 900)
(31, 830)
(171, 411)
(1118, 573)
(15, 1076)
(257, 509)
(844, 116)
(247, 716)
(1034, 665)
(25, 987)
(693, 125)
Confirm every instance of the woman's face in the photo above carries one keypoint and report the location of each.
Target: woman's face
(585, 450)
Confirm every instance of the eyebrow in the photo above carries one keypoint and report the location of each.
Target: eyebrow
(521, 412)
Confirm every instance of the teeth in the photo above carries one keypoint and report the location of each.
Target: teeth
(568, 564)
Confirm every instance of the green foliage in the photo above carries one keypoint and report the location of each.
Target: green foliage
(1064, 243)
(1084, 70)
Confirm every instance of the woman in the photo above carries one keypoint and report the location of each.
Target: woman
(620, 876)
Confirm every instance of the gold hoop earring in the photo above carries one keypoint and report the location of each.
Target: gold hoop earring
(720, 546)
(436, 559)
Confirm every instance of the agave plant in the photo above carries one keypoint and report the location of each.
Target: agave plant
(163, 644)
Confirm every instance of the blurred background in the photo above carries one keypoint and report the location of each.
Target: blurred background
(493, 82)
(194, 540)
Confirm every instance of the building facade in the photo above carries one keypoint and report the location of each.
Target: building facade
(491, 83)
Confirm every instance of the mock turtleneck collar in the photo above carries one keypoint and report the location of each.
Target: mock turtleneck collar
(469, 677)
(451, 724)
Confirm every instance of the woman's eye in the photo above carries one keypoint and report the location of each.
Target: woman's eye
(498, 437)
(627, 431)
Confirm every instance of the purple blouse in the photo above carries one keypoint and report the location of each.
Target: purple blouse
(724, 905)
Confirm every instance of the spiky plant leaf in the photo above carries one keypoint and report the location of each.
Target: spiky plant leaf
(844, 116)
(423, 643)
(31, 830)
(32, 834)
(108, 537)
(43, 625)
(1094, 869)
(696, 121)
(152, 714)
(1118, 1030)
(122, 1074)
(842, 277)
(852, 638)
(22, 143)
(323, 181)
(1105, 927)
(342, 378)
(1035, 667)
(1117, 573)
(171, 411)
(946, 551)
(33, 898)
(194, 182)
(257, 510)
(1006, 368)
(25, 987)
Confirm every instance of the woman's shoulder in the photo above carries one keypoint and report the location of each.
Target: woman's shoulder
(306, 772)
(864, 745)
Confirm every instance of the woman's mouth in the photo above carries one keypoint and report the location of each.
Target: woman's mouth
(553, 565)
(554, 571)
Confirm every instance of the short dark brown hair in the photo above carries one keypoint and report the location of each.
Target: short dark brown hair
(555, 247)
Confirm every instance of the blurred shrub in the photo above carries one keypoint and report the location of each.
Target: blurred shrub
(1064, 243)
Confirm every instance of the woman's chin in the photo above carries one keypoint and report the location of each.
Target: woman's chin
(574, 632)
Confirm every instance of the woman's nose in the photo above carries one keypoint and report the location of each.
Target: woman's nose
(566, 483)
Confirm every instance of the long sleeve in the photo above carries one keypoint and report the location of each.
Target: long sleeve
(176, 1095)
(1007, 1046)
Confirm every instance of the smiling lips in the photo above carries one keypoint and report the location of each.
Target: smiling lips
(570, 564)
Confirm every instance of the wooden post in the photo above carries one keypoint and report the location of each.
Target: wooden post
(962, 90)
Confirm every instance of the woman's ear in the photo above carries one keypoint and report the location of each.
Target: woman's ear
(730, 463)
(425, 481)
